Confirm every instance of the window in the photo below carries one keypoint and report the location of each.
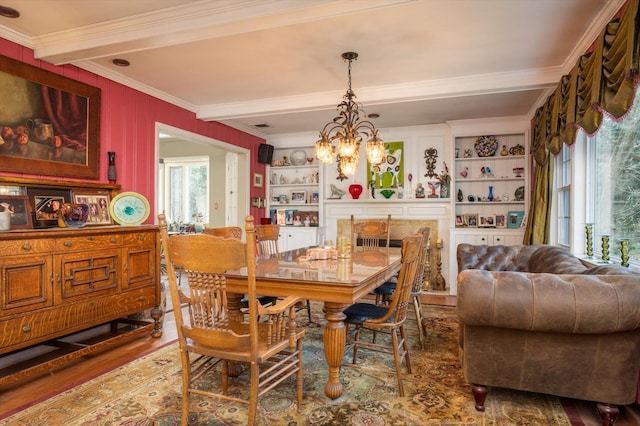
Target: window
(614, 161)
(563, 189)
(185, 188)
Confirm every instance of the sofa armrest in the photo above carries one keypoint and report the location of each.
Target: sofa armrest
(549, 302)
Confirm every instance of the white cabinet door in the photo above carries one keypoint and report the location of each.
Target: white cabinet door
(292, 238)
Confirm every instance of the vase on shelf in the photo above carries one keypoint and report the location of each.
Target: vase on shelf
(112, 174)
(444, 190)
(490, 196)
(355, 190)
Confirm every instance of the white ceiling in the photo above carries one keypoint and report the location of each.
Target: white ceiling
(278, 62)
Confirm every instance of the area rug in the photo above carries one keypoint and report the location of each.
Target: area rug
(147, 392)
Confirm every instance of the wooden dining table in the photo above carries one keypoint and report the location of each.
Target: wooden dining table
(338, 282)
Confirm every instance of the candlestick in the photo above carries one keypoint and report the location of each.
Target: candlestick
(589, 230)
(605, 249)
(624, 252)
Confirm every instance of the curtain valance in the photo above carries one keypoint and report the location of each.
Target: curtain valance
(603, 81)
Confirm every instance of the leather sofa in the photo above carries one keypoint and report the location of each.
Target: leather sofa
(536, 318)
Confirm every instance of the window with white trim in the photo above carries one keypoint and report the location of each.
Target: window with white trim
(185, 188)
(563, 191)
(614, 174)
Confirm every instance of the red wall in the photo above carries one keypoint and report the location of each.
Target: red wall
(127, 126)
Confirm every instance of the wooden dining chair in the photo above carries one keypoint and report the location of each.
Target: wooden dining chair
(369, 233)
(384, 293)
(267, 244)
(271, 350)
(389, 319)
(235, 232)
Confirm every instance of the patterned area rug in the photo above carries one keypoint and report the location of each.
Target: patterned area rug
(147, 392)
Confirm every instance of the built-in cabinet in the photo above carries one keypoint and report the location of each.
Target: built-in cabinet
(294, 195)
(490, 184)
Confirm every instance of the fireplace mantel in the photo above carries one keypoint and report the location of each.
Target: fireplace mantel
(424, 211)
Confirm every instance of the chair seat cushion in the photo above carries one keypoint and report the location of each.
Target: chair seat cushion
(386, 289)
(358, 313)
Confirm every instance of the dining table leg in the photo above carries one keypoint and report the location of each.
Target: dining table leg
(335, 340)
(234, 305)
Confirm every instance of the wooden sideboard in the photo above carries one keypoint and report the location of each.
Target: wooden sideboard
(59, 281)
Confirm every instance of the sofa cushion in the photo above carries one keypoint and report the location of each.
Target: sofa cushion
(494, 258)
(549, 302)
(554, 260)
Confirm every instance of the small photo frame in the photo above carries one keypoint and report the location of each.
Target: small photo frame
(514, 219)
(315, 197)
(471, 220)
(255, 202)
(45, 203)
(487, 221)
(460, 223)
(258, 180)
(298, 196)
(20, 209)
(501, 221)
(98, 202)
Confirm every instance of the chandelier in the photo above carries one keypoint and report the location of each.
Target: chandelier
(347, 129)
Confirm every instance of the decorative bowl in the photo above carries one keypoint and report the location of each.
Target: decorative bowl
(486, 146)
(518, 171)
(355, 190)
(298, 158)
(387, 193)
(73, 215)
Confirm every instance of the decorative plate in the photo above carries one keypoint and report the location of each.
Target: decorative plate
(298, 158)
(486, 146)
(519, 194)
(129, 208)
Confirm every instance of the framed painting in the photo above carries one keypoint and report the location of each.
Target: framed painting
(98, 206)
(389, 173)
(49, 123)
(18, 206)
(45, 203)
(258, 180)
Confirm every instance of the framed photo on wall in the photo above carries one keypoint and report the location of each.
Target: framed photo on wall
(258, 180)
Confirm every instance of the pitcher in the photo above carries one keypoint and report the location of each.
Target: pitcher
(41, 130)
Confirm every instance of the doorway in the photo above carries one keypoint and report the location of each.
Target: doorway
(229, 169)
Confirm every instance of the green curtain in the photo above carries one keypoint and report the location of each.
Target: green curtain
(602, 81)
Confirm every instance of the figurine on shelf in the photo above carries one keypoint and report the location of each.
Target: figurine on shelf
(336, 193)
(372, 185)
(464, 172)
(419, 190)
(467, 153)
(285, 161)
(504, 151)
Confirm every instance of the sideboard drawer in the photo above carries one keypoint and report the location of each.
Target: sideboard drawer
(34, 246)
(88, 242)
